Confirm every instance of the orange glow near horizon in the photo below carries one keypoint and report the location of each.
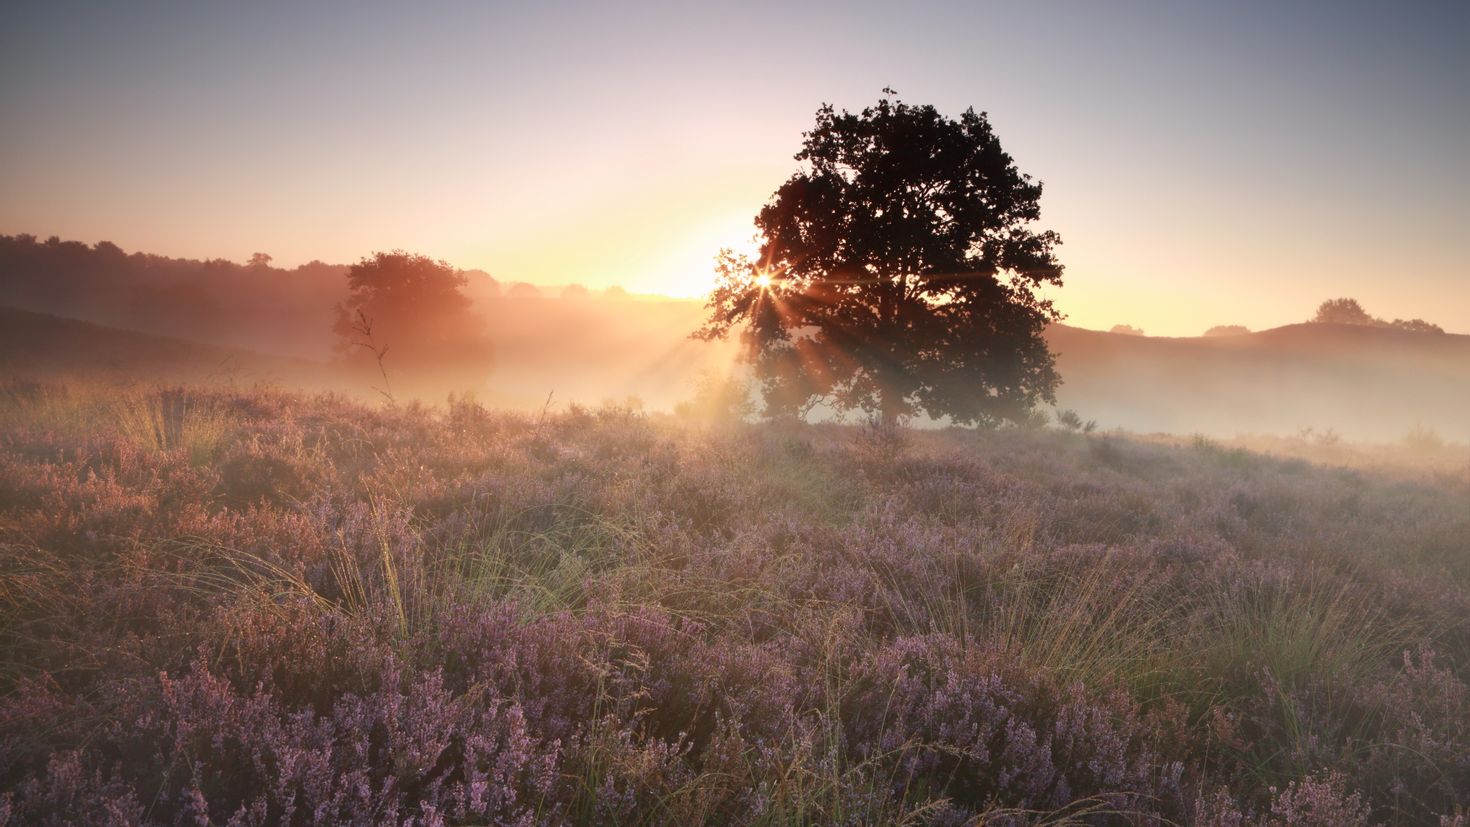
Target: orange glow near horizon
(637, 142)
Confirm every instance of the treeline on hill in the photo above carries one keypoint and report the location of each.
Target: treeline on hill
(1348, 311)
(591, 344)
(1332, 311)
(251, 305)
(288, 311)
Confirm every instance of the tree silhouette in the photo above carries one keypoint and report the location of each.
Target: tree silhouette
(1342, 311)
(897, 273)
(1416, 326)
(216, 301)
(1348, 311)
(418, 316)
(1227, 330)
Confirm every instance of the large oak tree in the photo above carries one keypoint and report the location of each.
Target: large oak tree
(898, 272)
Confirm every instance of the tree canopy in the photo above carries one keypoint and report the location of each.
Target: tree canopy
(1227, 330)
(1342, 311)
(898, 272)
(414, 308)
(1349, 311)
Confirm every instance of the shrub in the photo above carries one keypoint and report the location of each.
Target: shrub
(467, 616)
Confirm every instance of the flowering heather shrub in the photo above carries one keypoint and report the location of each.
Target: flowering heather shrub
(249, 607)
(1423, 714)
(995, 734)
(1319, 801)
(409, 751)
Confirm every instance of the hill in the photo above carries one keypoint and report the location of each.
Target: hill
(253, 306)
(1363, 382)
(42, 346)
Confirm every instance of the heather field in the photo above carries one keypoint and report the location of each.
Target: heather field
(252, 607)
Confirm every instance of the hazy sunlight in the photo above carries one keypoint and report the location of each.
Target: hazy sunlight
(687, 269)
(575, 414)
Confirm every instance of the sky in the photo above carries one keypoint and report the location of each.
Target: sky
(1204, 163)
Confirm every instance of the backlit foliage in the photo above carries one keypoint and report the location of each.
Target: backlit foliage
(899, 272)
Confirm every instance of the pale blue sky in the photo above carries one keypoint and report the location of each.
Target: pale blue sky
(1205, 164)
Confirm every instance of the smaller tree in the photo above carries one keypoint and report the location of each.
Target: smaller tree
(410, 312)
(1348, 311)
(1416, 326)
(1126, 330)
(1070, 420)
(1227, 330)
(1342, 311)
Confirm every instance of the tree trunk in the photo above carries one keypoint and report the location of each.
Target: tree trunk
(890, 398)
(890, 402)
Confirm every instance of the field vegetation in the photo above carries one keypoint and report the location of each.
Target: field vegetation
(226, 606)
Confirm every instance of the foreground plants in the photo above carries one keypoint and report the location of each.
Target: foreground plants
(256, 608)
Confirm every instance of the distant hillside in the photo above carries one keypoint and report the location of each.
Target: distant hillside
(587, 352)
(38, 345)
(1363, 382)
(252, 306)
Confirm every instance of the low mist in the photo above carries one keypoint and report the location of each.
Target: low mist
(164, 320)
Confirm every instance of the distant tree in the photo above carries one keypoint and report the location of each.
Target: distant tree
(1228, 330)
(1070, 420)
(1416, 326)
(480, 285)
(897, 273)
(1126, 330)
(259, 260)
(1348, 311)
(409, 311)
(522, 290)
(615, 293)
(575, 292)
(1342, 311)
